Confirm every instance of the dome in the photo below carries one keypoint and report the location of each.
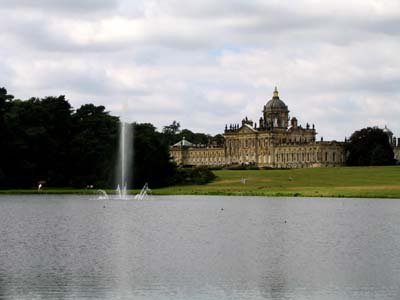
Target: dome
(387, 131)
(275, 102)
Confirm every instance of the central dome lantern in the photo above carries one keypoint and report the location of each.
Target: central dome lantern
(276, 112)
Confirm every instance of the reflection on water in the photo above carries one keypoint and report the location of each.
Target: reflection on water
(189, 248)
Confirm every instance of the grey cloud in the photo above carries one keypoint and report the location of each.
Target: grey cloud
(90, 82)
(203, 50)
(62, 6)
(262, 23)
(209, 9)
(384, 86)
(40, 35)
(266, 26)
(370, 24)
(6, 76)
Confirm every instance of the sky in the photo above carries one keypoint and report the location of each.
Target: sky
(209, 63)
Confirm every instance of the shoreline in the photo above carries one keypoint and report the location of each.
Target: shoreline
(342, 182)
(351, 194)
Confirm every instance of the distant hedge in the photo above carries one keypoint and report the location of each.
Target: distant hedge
(194, 175)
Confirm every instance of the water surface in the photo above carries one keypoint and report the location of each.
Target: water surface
(196, 247)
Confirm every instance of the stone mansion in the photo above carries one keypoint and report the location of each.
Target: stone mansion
(276, 141)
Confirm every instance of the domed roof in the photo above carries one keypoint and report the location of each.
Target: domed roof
(275, 102)
(387, 131)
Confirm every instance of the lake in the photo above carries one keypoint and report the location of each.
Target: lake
(199, 247)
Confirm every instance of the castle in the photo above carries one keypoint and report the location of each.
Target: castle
(395, 142)
(276, 141)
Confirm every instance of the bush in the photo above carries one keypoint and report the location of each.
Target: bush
(369, 147)
(242, 167)
(196, 175)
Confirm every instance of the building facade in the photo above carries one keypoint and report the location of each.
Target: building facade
(395, 142)
(276, 141)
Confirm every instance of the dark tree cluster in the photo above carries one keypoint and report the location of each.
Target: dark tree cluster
(150, 144)
(47, 141)
(196, 175)
(152, 162)
(173, 134)
(369, 147)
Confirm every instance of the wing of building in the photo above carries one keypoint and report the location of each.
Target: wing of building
(276, 141)
(394, 142)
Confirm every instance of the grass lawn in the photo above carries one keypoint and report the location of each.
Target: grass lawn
(363, 182)
(377, 182)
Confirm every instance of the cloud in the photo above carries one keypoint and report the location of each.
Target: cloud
(206, 63)
(61, 6)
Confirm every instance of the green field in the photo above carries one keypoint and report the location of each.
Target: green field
(364, 182)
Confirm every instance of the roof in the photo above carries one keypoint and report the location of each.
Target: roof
(387, 131)
(275, 102)
(248, 128)
(183, 143)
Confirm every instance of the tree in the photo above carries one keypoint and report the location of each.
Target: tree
(195, 138)
(5, 97)
(46, 140)
(5, 100)
(170, 132)
(35, 141)
(54, 152)
(173, 128)
(369, 146)
(152, 161)
(218, 140)
(93, 147)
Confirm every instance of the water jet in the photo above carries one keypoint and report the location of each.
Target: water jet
(124, 160)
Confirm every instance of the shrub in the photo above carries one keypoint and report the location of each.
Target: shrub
(196, 175)
(242, 167)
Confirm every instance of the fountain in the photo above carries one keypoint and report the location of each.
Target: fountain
(124, 164)
(124, 160)
(102, 195)
(143, 193)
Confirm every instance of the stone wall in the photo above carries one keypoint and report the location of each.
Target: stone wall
(198, 156)
(397, 153)
(307, 155)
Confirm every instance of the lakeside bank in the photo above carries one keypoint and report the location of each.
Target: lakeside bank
(360, 182)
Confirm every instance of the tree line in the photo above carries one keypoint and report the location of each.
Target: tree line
(46, 140)
(369, 146)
